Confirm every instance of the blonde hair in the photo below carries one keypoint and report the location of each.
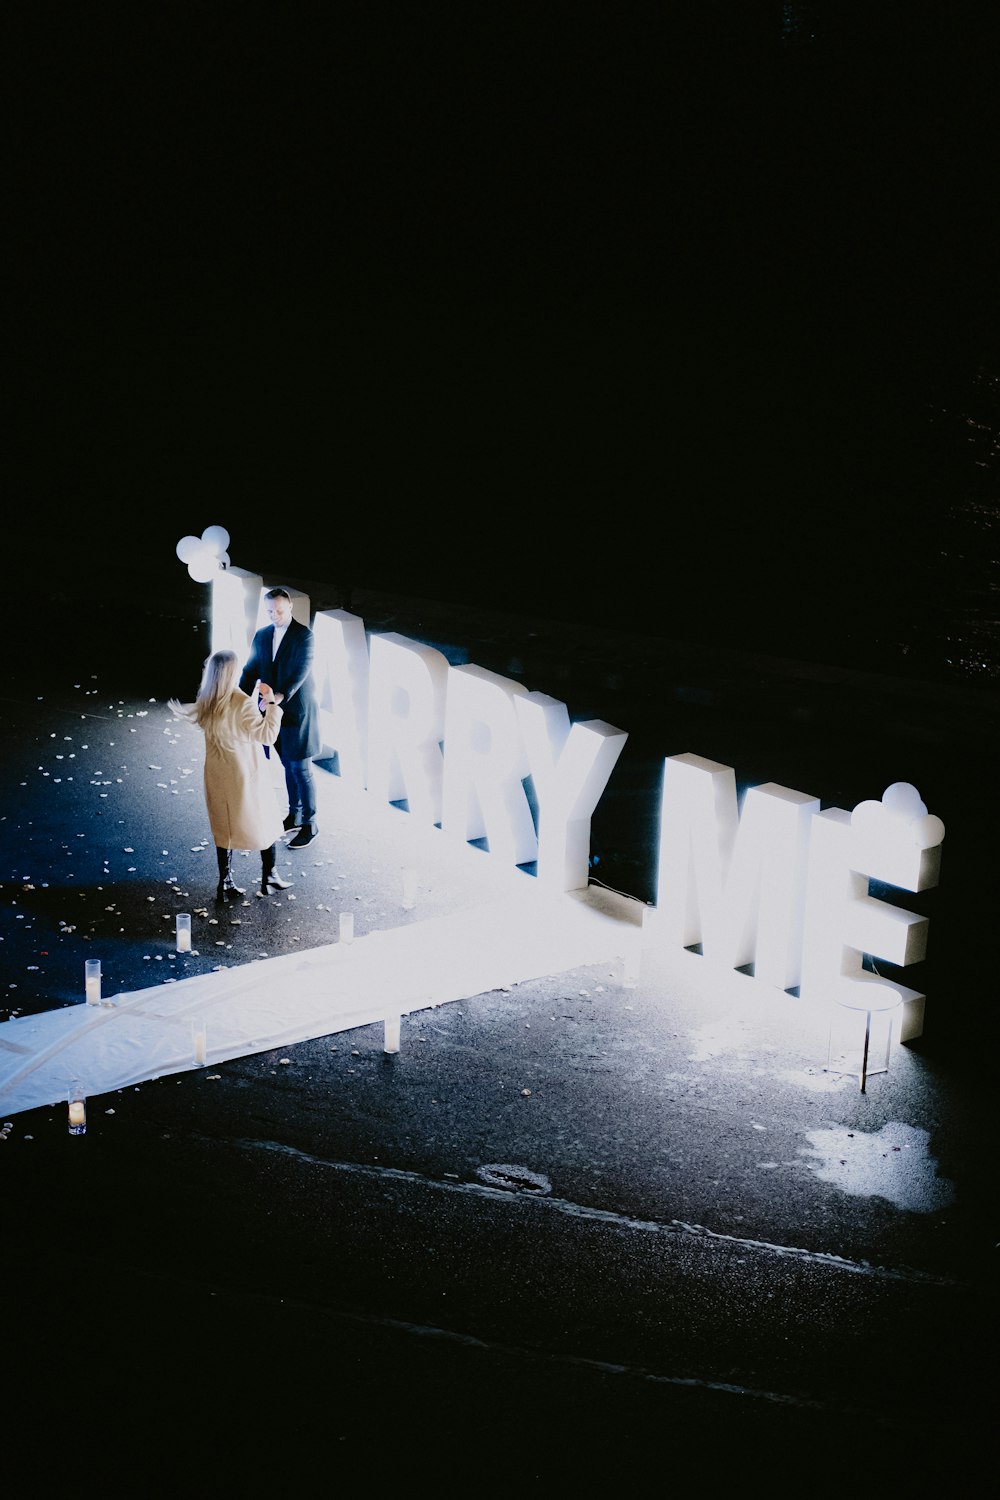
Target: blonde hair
(219, 681)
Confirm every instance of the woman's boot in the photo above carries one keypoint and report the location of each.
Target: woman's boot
(270, 880)
(227, 889)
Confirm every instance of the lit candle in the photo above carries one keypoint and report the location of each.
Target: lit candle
(346, 927)
(183, 932)
(391, 1042)
(409, 889)
(92, 980)
(77, 1114)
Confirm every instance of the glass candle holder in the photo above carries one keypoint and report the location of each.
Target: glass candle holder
(92, 980)
(346, 928)
(199, 1043)
(391, 1041)
(77, 1099)
(183, 932)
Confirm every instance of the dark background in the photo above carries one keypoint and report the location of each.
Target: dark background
(665, 314)
(669, 317)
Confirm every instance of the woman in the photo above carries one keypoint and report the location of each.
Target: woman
(242, 808)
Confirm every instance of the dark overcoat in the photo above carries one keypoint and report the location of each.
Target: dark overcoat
(289, 673)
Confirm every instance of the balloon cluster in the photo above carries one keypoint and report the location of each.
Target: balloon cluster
(902, 814)
(205, 554)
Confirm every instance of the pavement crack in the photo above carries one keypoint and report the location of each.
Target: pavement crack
(671, 1228)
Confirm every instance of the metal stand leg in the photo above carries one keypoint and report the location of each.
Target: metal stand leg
(864, 1055)
(864, 1071)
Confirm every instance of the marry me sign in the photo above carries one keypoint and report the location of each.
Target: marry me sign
(773, 883)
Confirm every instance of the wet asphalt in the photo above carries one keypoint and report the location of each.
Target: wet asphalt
(575, 1232)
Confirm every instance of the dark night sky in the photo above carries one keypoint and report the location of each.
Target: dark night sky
(647, 301)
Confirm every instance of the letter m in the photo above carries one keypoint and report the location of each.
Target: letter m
(732, 882)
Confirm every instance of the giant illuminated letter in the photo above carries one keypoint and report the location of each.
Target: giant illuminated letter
(340, 671)
(895, 841)
(485, 765)
(407, 683)
(570, 766)
(698, 822)
(732, 882)
(235, 599)
(761, 921)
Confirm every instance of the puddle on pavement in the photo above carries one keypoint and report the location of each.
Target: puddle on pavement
(893, 1163)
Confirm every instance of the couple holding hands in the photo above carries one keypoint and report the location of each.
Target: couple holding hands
(270, 702)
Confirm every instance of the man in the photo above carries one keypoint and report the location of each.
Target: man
(281, 655)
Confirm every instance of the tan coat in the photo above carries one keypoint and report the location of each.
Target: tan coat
(242, 806)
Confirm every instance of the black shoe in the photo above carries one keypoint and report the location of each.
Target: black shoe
(305, 836)
(227, 889)
(293, 820)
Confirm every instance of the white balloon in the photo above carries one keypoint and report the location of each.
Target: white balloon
(867, 817)
(903, 799)
(216, 538)
(188, 546)
(928, 832)
(203, 567)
